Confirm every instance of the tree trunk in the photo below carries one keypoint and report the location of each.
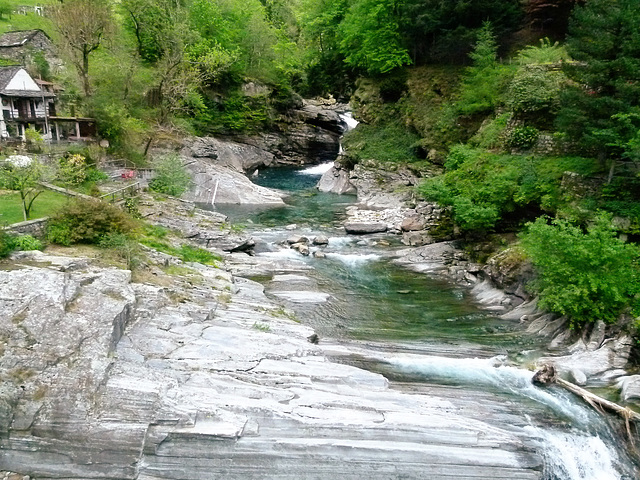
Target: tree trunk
(85, 72)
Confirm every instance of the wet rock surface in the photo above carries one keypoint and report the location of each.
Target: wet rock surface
(209, 379)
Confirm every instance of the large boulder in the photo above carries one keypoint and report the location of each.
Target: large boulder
(228, 186)
(336, 180)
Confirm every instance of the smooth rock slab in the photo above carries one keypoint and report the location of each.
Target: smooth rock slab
(364, 228)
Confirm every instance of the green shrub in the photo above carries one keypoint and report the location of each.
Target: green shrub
(172, 178)
(72, 169)
(95, 175)
(535, 88)
(523, 137)
(586, 276)
(88, 221)
(7, 244)
(545, 53)
(26, 243)
(483, 187)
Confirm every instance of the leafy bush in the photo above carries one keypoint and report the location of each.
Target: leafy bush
(72, 169)
(10, 243)
(124, 246)
(6, 243)
(523, 137)
(545, 53)
(26, 243)
(95, 175)
(172, 178)
(87, 221)
(586, 276)
(34, 139)
(535, 88)
(483, 188)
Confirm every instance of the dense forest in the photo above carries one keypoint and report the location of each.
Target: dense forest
(528, 110)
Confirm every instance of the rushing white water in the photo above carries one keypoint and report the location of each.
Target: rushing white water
(490, 373)
(316, 169)
(353, 260)
(574, 456)
(349, 121)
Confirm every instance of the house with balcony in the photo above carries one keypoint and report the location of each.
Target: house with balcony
(30, 103)
(25, 104)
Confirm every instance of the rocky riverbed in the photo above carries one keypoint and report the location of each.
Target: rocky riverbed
(200, 376)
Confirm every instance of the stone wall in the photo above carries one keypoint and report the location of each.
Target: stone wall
(30, 227)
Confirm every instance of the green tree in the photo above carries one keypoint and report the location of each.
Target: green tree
(586, 276)
(604, 39)
(485, 80)
(24, 177)
(171, 176)
(371, 38)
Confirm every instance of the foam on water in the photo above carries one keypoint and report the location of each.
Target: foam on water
(353, 260)
(339, 242)
(348, 119)
(485, 372)
(316, 169)
(575, 456)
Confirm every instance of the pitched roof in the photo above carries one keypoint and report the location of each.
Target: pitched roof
(19, 37)
(6, 74)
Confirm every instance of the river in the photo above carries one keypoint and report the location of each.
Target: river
(425, 335)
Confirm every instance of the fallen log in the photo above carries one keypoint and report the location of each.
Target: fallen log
(547, 375)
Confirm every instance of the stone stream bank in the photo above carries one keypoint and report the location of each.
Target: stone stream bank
(199, 376)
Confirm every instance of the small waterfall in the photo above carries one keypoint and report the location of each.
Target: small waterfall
(575, 456)
(316, 169)
(349, 121)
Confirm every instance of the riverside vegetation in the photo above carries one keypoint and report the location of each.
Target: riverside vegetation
(524, 110)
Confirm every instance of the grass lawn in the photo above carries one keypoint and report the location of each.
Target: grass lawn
(47, 203)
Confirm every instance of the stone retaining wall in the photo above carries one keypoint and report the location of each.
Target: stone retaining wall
(30, 227)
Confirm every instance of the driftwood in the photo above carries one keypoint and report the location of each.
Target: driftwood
(547, 375)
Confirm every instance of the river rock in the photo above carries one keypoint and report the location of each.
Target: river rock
(630, 388)
(321, 240)
(229, 186)
(207, 380)
(301, 248)
(577, 376)
(379, 187)
(597, 335)
(612, 355)
(416, 239)
(361, 228)
(336, 180)
(320, 116)
(413, 223)
(293, 239)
